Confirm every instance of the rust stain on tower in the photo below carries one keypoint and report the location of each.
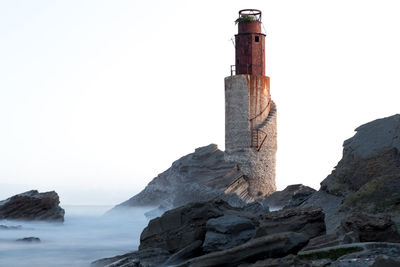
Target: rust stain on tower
(250, 43)
(250, 114)
(250, 59)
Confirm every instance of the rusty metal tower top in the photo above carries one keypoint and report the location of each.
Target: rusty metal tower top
(250, 43)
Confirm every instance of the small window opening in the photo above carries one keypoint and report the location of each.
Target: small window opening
(257, 39)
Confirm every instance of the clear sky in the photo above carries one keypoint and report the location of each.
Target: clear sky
(98, 97)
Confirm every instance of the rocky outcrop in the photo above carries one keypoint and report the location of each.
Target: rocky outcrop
(180, 227)
(292, 196)
(308, 221)
(213, 233)
(370, 228)
(200, 176)
(32, 205)
(353, 220)
(146, 257)
(271, 246)
(358, 227)
(30, 239)
(356, 254)
(371, 153)
(226, 232)
(367, 178)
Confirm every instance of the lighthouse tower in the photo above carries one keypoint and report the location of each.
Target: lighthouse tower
(250, 114)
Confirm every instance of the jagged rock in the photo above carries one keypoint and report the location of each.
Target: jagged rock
(292, 196)
(309, 221)
(330, 240)
(356, 254)
(330, 205)
(353, 172)
(152, 257)
(372, 152)
(200, 176)
(30, 239)
(367, 178)
(191, 251)
(179, 227)
(271, 246)
(226, 232)
(379, 195)
(288, 261)
(256, 208)
(370, 228)
(32, 205)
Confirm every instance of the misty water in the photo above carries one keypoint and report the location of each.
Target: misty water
(86, 235)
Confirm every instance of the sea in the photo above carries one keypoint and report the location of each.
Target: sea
(87, 234)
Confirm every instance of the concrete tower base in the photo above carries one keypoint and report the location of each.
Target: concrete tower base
(250, 131)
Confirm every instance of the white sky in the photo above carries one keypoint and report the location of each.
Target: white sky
(98, 97)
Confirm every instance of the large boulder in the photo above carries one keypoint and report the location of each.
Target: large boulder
(292, 196)
(226, 232)
(370, 228)
(32, 205)
(200, 176)
(178, 228)
(271, 246)
(308, 221)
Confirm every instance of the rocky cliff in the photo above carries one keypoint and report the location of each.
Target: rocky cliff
(367, 178)
(353, 220)
(199, 176)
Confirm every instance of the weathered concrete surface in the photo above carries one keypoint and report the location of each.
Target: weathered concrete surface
(258, 165)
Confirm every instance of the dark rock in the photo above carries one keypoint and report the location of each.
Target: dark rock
(32, 205)
(272, 246)
(152, 257)
(330, 205)
(330, 240)
(5, 227)
(356, 254)
(200, 176)
(353, 172)
(371, 153)
(306, 220)
(291, 196)
(191, 251)
(383, 261)
(370, 228)
(226, 232)
(367, 178)
(288, 261)
(178, 228)
(382, 194)
(30, 239)
(256, 208)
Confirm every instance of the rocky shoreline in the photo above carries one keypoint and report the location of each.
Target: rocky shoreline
(352, 220)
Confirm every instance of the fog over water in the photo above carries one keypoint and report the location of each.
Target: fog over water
(85, 236)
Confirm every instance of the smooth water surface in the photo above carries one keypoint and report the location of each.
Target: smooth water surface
(85, 236)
